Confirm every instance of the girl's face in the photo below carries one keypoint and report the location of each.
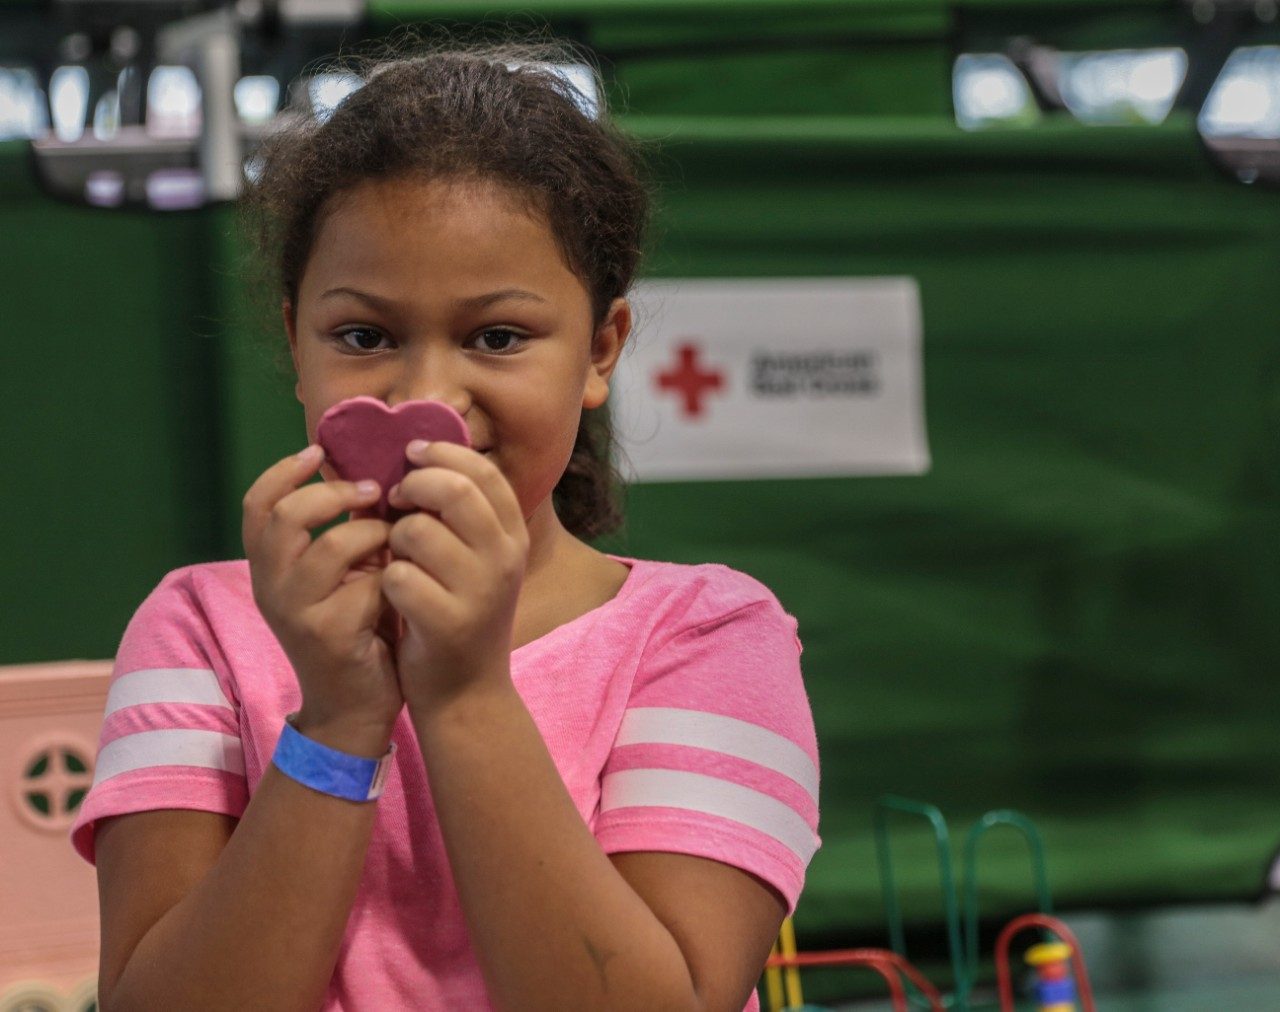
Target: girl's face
(452, 291)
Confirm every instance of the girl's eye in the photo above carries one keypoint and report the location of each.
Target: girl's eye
(497, 340)
(361, 339)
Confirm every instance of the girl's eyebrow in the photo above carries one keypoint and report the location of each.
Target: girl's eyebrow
(485, 301)
(374, 300)
(473, 303)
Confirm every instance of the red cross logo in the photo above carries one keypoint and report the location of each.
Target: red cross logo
(690, 380)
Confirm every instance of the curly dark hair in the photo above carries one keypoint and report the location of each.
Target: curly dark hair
(473, 112)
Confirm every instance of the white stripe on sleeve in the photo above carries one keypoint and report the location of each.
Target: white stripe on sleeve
(660, 725)
(171, 747)
(165, 685)
(697, 792)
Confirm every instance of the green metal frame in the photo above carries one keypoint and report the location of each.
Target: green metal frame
(964, 958)
(1035, 846)
(886, 805)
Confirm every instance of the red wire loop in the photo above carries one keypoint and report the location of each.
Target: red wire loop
(888, 964)
(1005, 979)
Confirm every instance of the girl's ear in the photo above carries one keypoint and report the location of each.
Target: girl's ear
(291, 328)
(606, 346)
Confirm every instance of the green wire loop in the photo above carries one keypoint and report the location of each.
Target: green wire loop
(891, 803)
(1035, 847)
(964, 961)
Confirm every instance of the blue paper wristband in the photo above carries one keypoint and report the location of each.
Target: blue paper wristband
(326, 769)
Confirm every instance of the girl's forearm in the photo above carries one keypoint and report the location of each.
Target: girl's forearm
(554, 923)
(262, 929)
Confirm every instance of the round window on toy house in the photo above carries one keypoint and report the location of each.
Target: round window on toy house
(30, 998)
(55, 778)
(85, 997)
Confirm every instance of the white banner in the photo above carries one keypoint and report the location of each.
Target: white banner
(772, 378)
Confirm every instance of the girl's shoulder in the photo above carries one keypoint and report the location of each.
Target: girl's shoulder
(696, 594)
(195, 602)
(203, 620)
(227, 580)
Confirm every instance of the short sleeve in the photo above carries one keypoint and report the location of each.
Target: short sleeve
(716, 755)
(171, 730)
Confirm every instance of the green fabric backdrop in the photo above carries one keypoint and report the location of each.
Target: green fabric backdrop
(1070, 613)
(111, 449)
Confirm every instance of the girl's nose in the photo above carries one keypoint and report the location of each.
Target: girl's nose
(432, 377)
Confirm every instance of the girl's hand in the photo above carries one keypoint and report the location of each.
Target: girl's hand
(455, 574)
(322, 599)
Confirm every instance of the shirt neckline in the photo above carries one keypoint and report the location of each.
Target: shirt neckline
(628, 587)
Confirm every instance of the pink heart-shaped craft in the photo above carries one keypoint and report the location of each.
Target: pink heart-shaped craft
(363, 438)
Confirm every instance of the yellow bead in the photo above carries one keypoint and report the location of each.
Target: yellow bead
(1048, 952)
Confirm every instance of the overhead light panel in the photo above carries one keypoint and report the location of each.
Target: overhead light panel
(1245, 99)
(580, 77)
(988, 90)
(106, 116)
(69, 101)
(253, 167)
(1121, 86)
(326, 92)
(582, 80)
(173, 103)
(22, 105)
(257, 98)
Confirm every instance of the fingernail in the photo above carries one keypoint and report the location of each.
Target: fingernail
(417, 446)
(366, 487)
(395, 491)
(310, 455)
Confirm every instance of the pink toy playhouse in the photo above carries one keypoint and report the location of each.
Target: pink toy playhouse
(49, 720)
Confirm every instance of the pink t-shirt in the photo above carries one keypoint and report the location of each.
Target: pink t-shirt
(675, 714)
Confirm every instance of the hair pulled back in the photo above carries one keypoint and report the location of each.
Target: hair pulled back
(472, 112)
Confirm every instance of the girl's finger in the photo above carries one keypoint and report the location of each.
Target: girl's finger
(455, 499)
(313, 505)
(277, 481)
(429, 543)
(286, 534)
(357, 604)
(330, 557)
(481, 470)
(412, 591)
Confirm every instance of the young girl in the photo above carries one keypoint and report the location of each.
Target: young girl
(598, 775)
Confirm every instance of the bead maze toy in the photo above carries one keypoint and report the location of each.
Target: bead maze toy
(1061, 977)
(782, 973)
(1055, 986)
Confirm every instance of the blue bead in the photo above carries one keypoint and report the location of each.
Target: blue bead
(1053, 992)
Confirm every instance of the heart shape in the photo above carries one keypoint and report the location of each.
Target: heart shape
(363, 438)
